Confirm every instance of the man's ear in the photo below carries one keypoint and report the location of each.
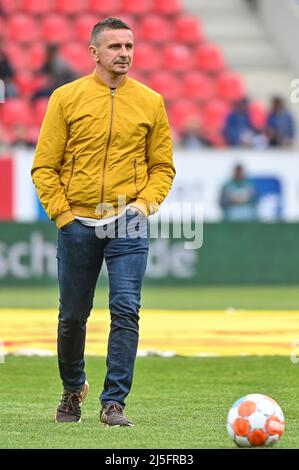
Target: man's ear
(94, 53)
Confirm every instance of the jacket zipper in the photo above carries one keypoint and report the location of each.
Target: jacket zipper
(107, 149)
(136, 174)
(72, 171)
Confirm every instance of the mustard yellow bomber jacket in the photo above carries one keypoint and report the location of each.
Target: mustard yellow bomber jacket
(97, 144)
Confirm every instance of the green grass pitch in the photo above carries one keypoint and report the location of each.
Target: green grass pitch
(177, 403)
(178, 297)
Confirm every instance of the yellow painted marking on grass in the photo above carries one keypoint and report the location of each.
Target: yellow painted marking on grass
(183, 332)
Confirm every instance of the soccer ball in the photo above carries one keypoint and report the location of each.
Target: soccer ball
(255, 420)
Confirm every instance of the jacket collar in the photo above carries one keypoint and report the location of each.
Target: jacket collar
(99, 81)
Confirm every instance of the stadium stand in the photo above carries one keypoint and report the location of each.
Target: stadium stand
(56, 28)
(167, 7)
(106, 8)
(75, 7)
(188, 30)
(22, 28)
(136, 7)
(230, 86)
(156, 29)
(36, 7)
(209, 58)
(167, 84)
(256, 38)
(173, 55)
(177, 58)
(198, 86)
(182, 110)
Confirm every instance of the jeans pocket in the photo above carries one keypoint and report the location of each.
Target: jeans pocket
(67, 226)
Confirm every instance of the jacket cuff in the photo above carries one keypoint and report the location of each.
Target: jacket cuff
(64, 218)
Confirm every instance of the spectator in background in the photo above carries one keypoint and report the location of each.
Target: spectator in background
(7, 73)
(191, 137)
(239, 130)
(238, 198)
(56, 71)
(280, 124)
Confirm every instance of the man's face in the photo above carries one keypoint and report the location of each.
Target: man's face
(114, 51)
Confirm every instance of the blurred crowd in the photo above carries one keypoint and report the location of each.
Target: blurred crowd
(276, 128)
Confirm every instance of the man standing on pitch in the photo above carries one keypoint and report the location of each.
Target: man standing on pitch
(105, 138)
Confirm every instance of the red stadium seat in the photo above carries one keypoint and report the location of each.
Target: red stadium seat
(137, 7)
(27, 83)
(258, 114)
(36, 56)
(16, 111)
(209, 58)
(167, 7)
(188, 30)
(40, 109)
(177, 58)
(214, 113)
(156, 29)
(198, 86)
(56, 29)
(77, 57)
(37, 6)
(146, 57)
(180, 113)
(230, 86)
(70, 7)
(16, 56)
(83, 26)
(11, 6)
(166, 84)
(104, 7)
(213, 116)
(22, 28)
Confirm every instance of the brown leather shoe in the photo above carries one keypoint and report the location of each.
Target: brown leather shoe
(113, 415)
(69, 409)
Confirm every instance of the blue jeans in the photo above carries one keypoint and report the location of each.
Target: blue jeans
(80, 256)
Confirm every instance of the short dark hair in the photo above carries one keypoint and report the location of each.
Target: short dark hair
(107, 23)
